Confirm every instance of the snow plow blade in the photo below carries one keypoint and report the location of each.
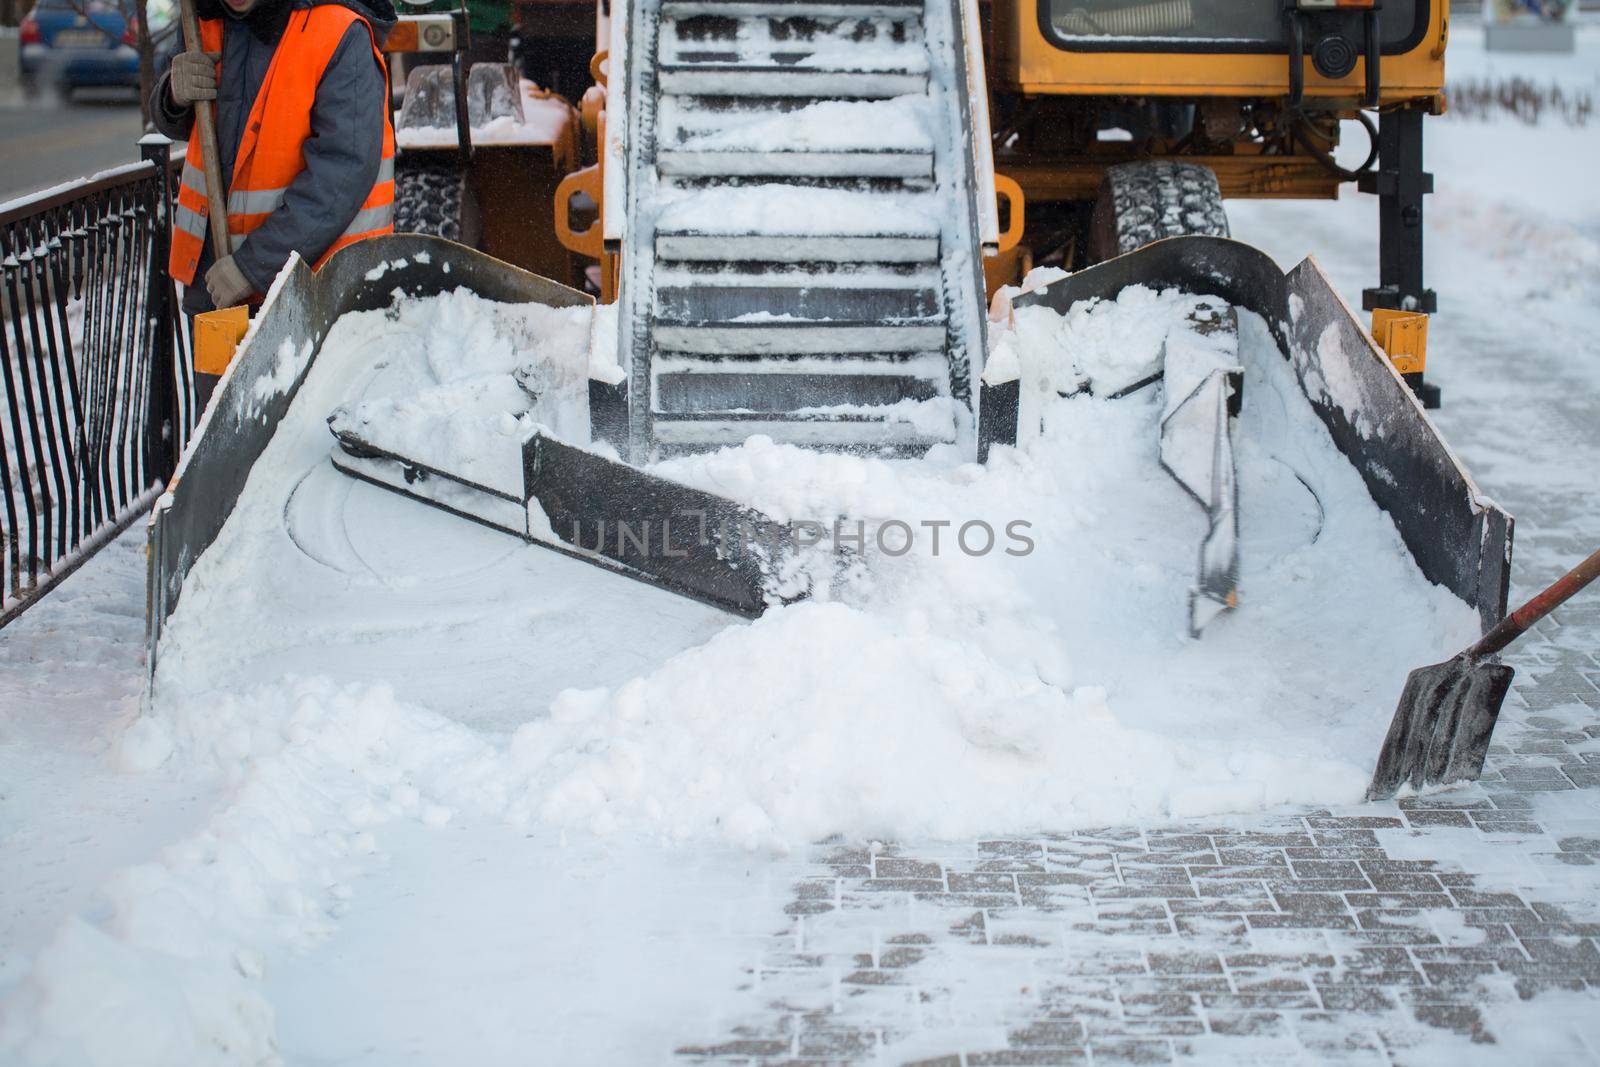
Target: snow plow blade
(731, 567)
(1197, 450)
(1457, 537)
(580, 503)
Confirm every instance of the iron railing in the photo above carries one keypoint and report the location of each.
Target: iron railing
(95, 401)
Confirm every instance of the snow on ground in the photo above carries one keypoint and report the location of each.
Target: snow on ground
(70, 678)
(359, 825)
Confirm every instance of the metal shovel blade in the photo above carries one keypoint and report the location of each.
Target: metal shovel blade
(1441, 728)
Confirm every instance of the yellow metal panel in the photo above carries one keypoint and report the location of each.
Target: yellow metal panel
(1046, 178)
(1404, 336)
(1028, 62)
(216, 337)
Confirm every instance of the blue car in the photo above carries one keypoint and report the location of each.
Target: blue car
(73, 44)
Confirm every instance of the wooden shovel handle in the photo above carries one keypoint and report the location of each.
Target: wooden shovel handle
(205, 125)
(1521, 621)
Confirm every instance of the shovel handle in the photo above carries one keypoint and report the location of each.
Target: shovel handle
(1521, 621)
(205, 125)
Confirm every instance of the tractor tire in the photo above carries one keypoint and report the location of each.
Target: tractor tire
(432, 195)
(1144, 202)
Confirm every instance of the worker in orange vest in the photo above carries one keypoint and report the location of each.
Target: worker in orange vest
(303, 129)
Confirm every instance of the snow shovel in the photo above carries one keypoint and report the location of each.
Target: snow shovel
(1441, 728)
(205, 126)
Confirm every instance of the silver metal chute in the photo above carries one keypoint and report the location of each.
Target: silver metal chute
(1203, 380)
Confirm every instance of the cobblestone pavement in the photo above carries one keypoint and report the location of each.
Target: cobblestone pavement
(1320, 935)
(1385, 933)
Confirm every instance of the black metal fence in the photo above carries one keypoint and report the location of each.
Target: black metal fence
(96, 401)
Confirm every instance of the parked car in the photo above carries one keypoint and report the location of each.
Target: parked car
(73, 44)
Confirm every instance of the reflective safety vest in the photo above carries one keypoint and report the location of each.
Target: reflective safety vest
(271, 153)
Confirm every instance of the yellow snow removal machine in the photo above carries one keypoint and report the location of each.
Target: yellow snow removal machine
(800, 210)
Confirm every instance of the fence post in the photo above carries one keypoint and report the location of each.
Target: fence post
(161, 422)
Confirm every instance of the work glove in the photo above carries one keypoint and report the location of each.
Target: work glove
(227, 284)
(193, 77)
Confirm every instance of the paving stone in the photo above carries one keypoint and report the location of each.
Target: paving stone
(1258, 856)
(1250, 1023)
(1461, 973)
(1025, 849)
(1312, 903)
(1336, 852)
(1155, 874)
(1280, 920)
(1393, 935)
(1034, 880)
(1265, 839)
(1263, 961)
(982, 883)
(1439, 803)
(1009, 863)
(895, 867)
(1111, 1029)
(1461, 1018)
(1347, 822)
(808, 907)
(989, 902)
(900, 885)
(1324, 885)
(901, 956)
(1131, 892)
(1161, 841)
(1220, 929)
(1255, 982)
(1165, 1005)
(1184, 963)
(1108, 962)
(1203, 904)
(835, 1043)
(1362, 998)
(1034, 1057)
(743, 1047)
(1244, 1002)
(1438, 817)
(1190, 983)
(1049, 1034)
(1131, 1052)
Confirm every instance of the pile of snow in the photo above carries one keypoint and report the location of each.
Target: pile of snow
(172, 975)
(466, 380)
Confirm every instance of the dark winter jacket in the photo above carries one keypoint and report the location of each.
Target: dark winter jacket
(342, 155)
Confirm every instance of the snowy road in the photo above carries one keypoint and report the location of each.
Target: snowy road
(403, 931)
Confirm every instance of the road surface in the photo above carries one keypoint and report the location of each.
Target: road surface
(46, 144)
